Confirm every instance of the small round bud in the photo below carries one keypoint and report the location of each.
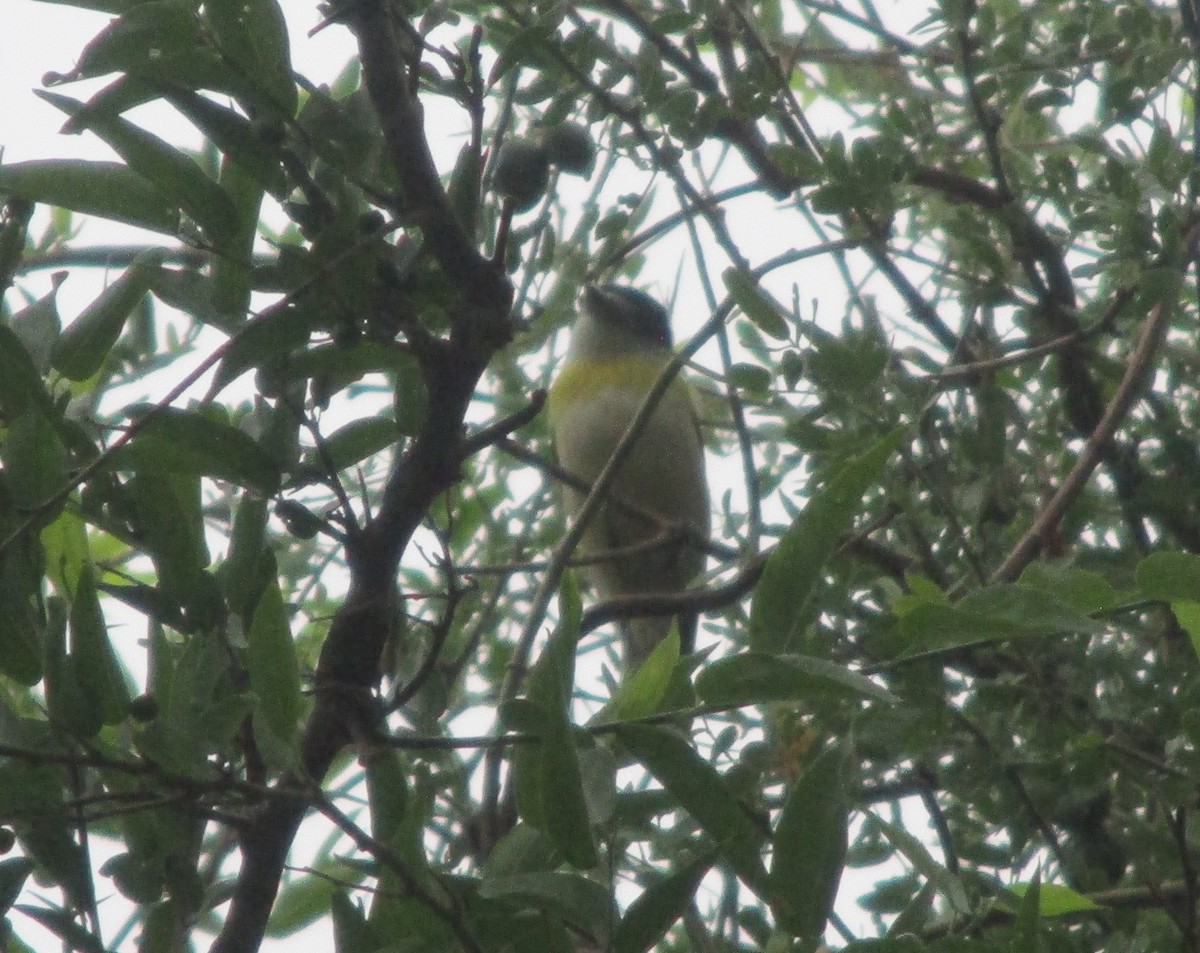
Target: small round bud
(144, 708)
(297, 519)
(522, 172)
(370, 222)
(570, 147)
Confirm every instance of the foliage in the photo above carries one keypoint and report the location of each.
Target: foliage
(936, 268)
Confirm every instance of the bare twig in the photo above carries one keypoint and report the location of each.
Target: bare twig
(1048, 518)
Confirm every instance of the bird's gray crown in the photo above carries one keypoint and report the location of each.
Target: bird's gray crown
(630, 308)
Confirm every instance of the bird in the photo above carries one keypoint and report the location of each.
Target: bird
(620, 343)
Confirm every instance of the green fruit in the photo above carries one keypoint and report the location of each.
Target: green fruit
(144, 708)
(522, 172)
(570, 147)
(297, 519)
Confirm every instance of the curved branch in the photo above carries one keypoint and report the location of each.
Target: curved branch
(1052, 513)
(345, 709)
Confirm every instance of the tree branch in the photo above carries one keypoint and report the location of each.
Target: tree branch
(348, 667)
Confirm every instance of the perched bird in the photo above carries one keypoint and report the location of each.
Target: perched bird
(620, 343)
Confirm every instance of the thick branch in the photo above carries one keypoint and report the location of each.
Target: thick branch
(348, 669)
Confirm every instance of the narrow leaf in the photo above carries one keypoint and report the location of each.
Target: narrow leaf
(1025, 928)
(37, 326)
(577, 899)
(236, 136)
(174, 175)
(947, 884)
(560, 781)
(20, 382)
(758, 307)
(643, 692)
(272, 666)
(13, 873)
(252, 34)
(35, 461)
(702, 792)
(95, 664)
(82, 347)
(353, 443)
(186, 441)
(810, 847)
(753, 678)
(104, 189)
(653, 913)
(1005, 611)
(782, 604)
(1056, 900)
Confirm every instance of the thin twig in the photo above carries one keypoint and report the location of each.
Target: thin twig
(1118, 408)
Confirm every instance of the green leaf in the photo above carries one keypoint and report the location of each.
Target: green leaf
(272, 666)
(65, 700)
(236, 136)
(345, 363)
(252, 35)
(810, 847)
(1056, 900)
(233, 268)
(14, 871)
(527, 762)
(65, 544)
(754, 678)
(96, 668)
(37, 326)
(1087, 592)
(20, 382)
(1170, 576)
(115, 7)
(758, 306)
(21, 629)
(176, 176)
(566, 815)
(244, 573)
(61, 924)
(409, 400)
(353, 443)
(264, 340)
(521, 850)
(1025, 928)
(35, 461)
(167, 508)
(947, 884)
(1005, 611)
(302, 901)
(702, 792)
(1187, 614)
(657, 908)
(643, 692)
(577, 899)
(387, 793)
(186, 441)
(82, 347)
(104, 189)
(563, 811)
(782, 605)
(145, 33)
(33, 801)
(351, 933)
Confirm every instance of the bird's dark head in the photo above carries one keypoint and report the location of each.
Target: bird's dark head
(630, 308)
